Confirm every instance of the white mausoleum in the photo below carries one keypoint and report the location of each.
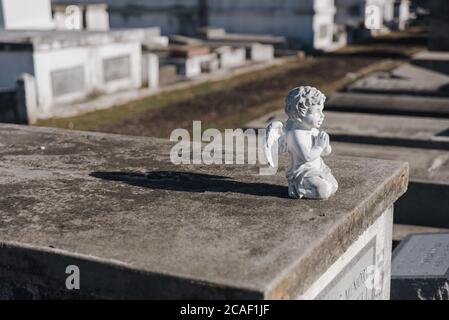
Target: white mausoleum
(309, 23)
(70, 66)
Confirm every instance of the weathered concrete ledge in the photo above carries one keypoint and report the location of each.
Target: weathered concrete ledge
(140, 227)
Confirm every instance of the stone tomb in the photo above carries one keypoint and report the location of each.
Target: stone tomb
(406, 79)
(425, 203)
(219, 36)
(209, 63)
(188, 51)
(257, 52)
(230, 57)
(192, 60)
(389, 104)
(167, 74)
(433, 60)
(138, 226)
(420, 268)
(68, 67)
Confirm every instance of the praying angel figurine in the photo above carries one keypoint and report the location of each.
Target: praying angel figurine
(308, 176)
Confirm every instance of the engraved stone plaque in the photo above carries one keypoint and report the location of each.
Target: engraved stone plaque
(420, 267)
(351, 282)
(69, 80)
(117, 68)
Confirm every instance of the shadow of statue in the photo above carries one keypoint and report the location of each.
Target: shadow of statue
(192, 182)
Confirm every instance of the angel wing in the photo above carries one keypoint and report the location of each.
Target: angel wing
(274, 142)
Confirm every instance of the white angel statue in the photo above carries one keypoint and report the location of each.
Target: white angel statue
(308, 176)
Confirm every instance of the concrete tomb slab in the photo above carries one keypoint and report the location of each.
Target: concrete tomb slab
(434, 60)
(405, 131)
(231, 57)
(219, 35)
(55, 40)
(190, 67)
(188, 51)
(138, 226)
(211, 32)
(420, 268)
(184, 40)
(260, 52)
(406, 79)
(401, 231)
(389, 104)
(256, 52)
(209, 63)
(190, 61)
(425, 203)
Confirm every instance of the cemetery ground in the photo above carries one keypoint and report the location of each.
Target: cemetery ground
(231, 103)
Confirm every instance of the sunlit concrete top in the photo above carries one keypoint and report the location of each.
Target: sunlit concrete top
(110, 202)
(57, 39)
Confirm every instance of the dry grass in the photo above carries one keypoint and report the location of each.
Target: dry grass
(95, 119)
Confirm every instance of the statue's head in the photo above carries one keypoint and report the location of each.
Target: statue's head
(306, 105)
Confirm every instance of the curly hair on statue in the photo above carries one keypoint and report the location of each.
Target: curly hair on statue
(300, 99)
